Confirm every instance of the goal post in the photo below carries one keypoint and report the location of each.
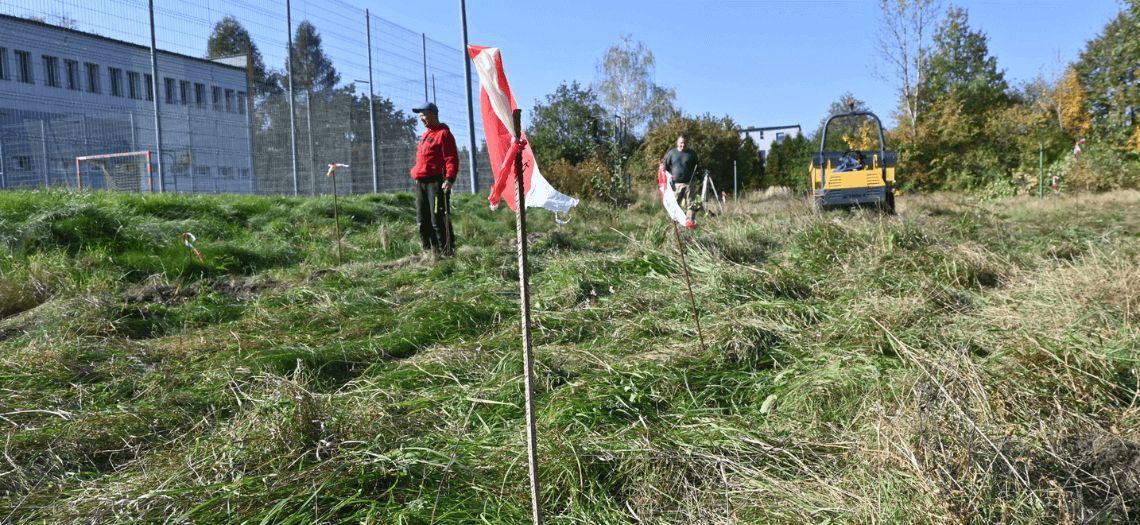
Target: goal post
(121, 171)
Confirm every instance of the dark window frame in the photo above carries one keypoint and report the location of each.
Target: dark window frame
(133, 85)
(24, 67)
(116, 76)
(51, 71)
(73, 82)
(93, 78)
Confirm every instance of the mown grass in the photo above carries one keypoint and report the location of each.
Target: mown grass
(966, 361)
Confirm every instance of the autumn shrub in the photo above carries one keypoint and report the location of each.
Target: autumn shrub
(589, 179)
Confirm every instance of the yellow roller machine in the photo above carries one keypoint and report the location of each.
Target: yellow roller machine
(853, 177)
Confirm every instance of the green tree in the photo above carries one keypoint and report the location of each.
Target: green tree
(626, 86)
(962, 63)
(564, 127)
(843, 131)
(230, 38)
(719, 143)
(956, 144)
(787, 163)
(1109, 71)
(312, 69)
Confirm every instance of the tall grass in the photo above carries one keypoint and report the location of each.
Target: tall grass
(963, 362)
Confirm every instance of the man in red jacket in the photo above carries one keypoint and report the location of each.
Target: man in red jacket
(437, 165)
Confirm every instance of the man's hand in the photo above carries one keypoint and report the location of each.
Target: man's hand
(446, 186)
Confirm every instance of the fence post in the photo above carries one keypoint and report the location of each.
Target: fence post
(470, 109)
(371, 104)
(292, 109)
(157, 118)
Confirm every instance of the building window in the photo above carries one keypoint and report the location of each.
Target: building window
(24, 67)
(22, 163)
(225, 173)
(203, 172)
(4, 63)
(761, 134)
(241, 102)
(133, 84)
(72, 74)
(149, 86)
(200, 95)
(116, 75)
(92, 78)
(229, 101)
(780, 137)
(245, 173)
(169, 90)
(184, 91)
(216, 92)
(51, 71)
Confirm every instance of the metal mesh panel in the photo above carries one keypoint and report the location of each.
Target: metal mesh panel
(76, 79)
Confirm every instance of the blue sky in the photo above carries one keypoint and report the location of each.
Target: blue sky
(763, 63)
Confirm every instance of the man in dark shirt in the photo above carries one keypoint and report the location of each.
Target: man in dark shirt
(681, 163)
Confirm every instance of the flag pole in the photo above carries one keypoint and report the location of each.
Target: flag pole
(528, 350)
(689, 283)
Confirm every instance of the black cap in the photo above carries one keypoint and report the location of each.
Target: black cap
(426, 107)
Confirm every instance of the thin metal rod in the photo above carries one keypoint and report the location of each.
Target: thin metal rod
(689, 283)
(336, 216)
(470, 107)
(528, 351)
(424, 37)
(154, 93)
(292, 109)
(371, 105)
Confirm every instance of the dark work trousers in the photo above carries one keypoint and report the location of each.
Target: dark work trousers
(432, 210)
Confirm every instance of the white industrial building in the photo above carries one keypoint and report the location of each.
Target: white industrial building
(765, 137)
(66, 94)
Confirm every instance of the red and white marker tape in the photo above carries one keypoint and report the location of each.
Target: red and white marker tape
(333, 167)
(187, 243)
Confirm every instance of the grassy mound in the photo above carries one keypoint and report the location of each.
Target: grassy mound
(965, 361)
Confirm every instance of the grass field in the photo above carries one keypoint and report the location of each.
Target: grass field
(966, 361)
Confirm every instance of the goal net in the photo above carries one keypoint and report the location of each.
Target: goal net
(116, 172)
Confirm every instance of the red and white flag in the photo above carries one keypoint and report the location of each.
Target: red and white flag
(497, 105)
(669, 199)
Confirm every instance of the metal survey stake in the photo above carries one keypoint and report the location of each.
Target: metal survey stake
(336, 211)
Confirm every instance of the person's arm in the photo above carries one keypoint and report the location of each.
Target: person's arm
(450, 161)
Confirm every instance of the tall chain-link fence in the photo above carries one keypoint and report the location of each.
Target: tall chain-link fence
(78, 79)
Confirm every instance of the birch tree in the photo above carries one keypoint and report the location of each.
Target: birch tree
(903, 43)
(626, 85)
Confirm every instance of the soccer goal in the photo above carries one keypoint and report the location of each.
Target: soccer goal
(121, 171)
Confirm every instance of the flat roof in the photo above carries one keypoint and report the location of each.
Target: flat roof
(120, 42)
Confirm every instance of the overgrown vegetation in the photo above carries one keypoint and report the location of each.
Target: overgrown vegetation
(968, 361)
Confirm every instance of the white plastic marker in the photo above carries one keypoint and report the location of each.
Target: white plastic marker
(336, 212)
(187, 243)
